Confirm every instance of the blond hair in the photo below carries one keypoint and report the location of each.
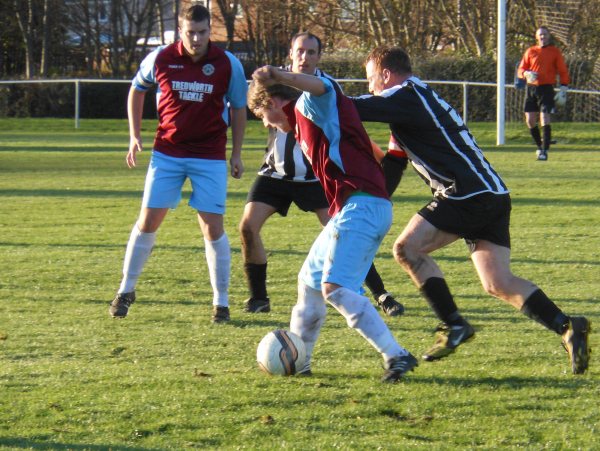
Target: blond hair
(259, 95)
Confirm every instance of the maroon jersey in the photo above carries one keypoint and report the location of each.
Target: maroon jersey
(335, 142)
(193, 99)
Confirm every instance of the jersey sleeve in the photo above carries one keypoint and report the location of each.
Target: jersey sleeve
(320, 107)
(145, 78)
(562, 70)
(381, 109)
(524, 65)
(238, 87)
(322, 111)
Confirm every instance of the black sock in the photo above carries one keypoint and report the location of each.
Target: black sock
(535, 134)
(437, 293)
(540, 308)
(256, 274)
(374, 282)
(547, 132)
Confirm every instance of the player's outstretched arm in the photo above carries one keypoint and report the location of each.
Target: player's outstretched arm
(269, 75)
(135, 108)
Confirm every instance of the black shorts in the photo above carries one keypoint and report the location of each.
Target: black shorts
(482, 217)
(539, 98)
(278, 193)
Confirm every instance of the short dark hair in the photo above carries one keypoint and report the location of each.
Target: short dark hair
(194, 12)
(259, 95)
(306, 34)
(394, 59)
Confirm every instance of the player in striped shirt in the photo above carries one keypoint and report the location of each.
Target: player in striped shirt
(338, 148)
(199, 87)
(470, 201)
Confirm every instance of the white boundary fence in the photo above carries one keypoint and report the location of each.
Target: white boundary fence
(465, 89)
(464, 84)
(76, 81)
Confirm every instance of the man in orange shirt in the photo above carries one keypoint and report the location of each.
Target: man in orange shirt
(540, 66)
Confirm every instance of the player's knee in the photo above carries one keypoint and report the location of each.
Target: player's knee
(248, 231)
(308, 314)
(490, 288)
(328, 288)
(497, 287)
(310, 306)
(308, 295)
(402, 253)
(148, 225)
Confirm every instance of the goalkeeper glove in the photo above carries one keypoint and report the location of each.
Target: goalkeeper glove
(520, 83)
(530, 75)
(561, 97)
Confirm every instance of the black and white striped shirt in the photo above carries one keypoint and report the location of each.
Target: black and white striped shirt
(435, 138)
(284, 158)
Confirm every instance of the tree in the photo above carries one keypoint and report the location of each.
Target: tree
(229, 11)
(109, 32)
(25, 20)
(472, 24)
(268, 27)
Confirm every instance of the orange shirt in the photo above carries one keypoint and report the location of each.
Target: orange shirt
(548, 62)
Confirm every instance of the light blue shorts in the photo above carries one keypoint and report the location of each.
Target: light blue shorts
(344, 251)
(166, 176)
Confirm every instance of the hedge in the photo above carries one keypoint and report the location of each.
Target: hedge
(99, 100)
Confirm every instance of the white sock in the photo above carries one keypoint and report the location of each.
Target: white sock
(218, 257)
(138, 250)
(308, 316)
(362, 316)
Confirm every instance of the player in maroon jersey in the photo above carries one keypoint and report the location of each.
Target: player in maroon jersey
(338, 148)
(199, 87)
(285, 177)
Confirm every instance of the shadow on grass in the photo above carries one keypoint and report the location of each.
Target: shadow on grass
(239, 318)
(24, 443)
(75, 149)
(510, 382)
(273, 253)
(243, 195)
(96, 193)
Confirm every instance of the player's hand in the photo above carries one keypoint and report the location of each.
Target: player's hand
(135, 146)
(531, 76)
(265, 75)
(237, 167)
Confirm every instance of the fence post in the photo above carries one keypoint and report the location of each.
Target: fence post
(465, 102)
(77, 103)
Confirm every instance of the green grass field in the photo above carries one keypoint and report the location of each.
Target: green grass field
(166, 378)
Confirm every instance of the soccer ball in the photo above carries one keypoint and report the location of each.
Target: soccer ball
(281, 352)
